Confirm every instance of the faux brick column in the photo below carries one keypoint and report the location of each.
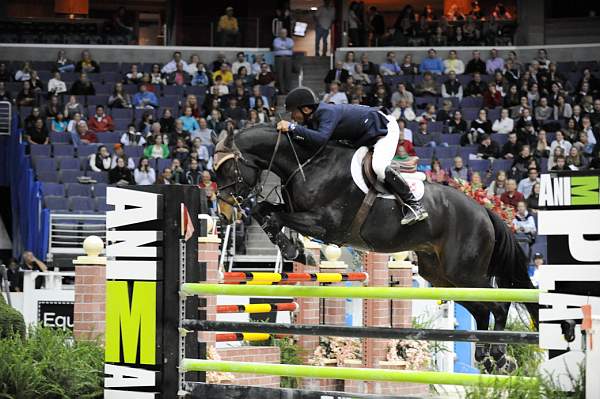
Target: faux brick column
(334, 309)
(401, 272)
(90, 292)
(308, 314)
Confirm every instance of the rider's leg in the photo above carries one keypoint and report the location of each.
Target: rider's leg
(383, 153)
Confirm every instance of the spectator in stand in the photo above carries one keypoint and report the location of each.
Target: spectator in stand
(86, 64)
(476, 87)
(432, 63)
(583, 146)
(560, 142)
(334, 95)
(324, 18)
(36, 83)
(181, 150)
(350, 63)
(158, 149)
(63, 64)
(52, 107)
(228, 31)
(26, 97)
(480, 126)
(560, 164)
(430, 114)
(5, 75)
(219, 89)
(494, 63)
(492, 98)
(402, 111)
(119, 98)
(368, 67)
(83, 86)
(101, 161)
(488, 148)
(360, 77)
(242, 79)
(593, 136)
(376, 24)
(209, 186)
(438, 38)
(225, 73)
(498, 185)
(13, 276)
(82, 135)
(402, 94)
(165, 177)
(240, 62)
(256, 94)
(390, 67)
(524, 223)
(134, 76)
(428, 86)
(453, 64)
(24, 74)
(119, 152)
(504, 124)
(37, 134)
(452, 87)
(4, 94)
(476, 64)
(234, 112)
(120, 175)
(525, 186)
(72, 125)
(101, 122)
(190, 124)
(511, 196)
(144, 174)
(56, 85)
(192, 66)
(522, 163)
(265, 77)
(194, 174)
(425, 138)
(58, 123)
(437, 174)
(562, 109)
(31, 118)
(72, 107)
(283, 48)
(156, 76)
(201, 78)
(457, 125)
(575, 160)
(459, 171)
(171, 66)
(406, 136)
(543, 112)
(133, 137)
(179, 77)
(144, 98)
(339, 73)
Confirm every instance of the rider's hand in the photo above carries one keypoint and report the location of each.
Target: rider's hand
(283, 126)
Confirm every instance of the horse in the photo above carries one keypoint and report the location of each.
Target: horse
(461, 244)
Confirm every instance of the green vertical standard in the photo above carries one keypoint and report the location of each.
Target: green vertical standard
(347, 373)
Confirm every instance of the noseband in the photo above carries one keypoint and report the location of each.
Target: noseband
(238, 201)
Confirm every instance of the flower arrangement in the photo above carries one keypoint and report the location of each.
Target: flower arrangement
(216, 377)
(416, 354)
(336, 348)
(491, 202)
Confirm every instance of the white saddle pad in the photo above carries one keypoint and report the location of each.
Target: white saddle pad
(414, 180)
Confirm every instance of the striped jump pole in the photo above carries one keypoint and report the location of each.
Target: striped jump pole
(258, 308)
(446, 294)
(250, 337)
(245, 277)
(347, 373)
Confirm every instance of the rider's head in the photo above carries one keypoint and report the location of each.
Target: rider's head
(301, 102)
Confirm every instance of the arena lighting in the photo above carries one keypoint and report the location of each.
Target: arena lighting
(314, 8)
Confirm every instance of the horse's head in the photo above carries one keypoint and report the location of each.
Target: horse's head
(237, 177)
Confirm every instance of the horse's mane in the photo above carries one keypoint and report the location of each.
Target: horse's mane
(263, 126)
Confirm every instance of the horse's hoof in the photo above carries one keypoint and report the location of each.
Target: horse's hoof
(489, 365)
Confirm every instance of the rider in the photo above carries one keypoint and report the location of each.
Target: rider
(318, 123)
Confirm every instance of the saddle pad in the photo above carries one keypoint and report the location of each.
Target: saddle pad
(414, 180)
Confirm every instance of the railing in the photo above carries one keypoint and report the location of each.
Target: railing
(67, 231)
(5, 118)
(198, 31)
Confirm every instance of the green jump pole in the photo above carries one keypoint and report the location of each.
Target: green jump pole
(347, 373)
(447, 294)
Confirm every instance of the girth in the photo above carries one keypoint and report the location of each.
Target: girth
(375, 186)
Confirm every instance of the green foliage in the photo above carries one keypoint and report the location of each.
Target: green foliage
(50, 364)
(290, 354)
(11, 321)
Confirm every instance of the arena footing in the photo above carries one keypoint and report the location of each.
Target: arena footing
(203, 390)
(501, 337)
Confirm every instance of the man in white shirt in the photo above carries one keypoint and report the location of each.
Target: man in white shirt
(171, 66)
(324, 18)
(404, 112)
(241, 62)
(55, 85)
(560, 142)
(505, 124)
(453, 63)
(335, 96)
(525, 186)
(588, 129)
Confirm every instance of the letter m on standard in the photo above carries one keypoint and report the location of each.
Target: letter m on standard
(131, 323)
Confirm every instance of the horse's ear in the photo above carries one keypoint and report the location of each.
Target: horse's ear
(228, 143)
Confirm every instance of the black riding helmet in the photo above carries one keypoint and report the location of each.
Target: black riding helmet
(300, 97)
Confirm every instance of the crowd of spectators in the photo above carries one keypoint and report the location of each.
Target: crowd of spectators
(431, 27)
(516, 117)
(204, 99)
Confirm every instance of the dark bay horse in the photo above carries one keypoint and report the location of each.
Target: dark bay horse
(461, 244)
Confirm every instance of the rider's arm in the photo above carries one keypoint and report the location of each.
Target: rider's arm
(328, 120)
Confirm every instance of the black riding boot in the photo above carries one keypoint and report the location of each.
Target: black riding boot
(396, 182)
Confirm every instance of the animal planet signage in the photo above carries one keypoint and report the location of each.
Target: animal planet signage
(133, 295)
(571, 220)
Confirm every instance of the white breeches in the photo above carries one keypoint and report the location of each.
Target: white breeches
(385, 149)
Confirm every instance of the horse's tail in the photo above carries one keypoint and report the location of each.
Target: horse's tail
(509, 263)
